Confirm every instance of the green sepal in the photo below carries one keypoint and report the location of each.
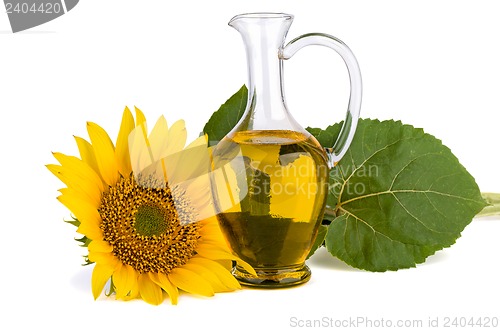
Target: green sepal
(84, 240)
(74, 222)
(111, 288)
(87, 261)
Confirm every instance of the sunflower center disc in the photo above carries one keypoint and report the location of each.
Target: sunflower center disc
(143, 227)
(150, 221)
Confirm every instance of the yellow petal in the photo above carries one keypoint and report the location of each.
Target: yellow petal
(140, 118)
(141, 126)
(125, 281)
(101, 257)
(82, 190)
(213, 237)
(280, 202)
(75, 185)
(149, 290)
(92, 231)
(60, 172)
(56, 170)
(100, 276)
(226, 264)
(214, 252)
(104, 152)
(198, 142)
(140, 152)
(122, 150)
(157, 142)
(187, 164)
(229, 189)
(212, 240)
(100, 246)
(158, 139)
(81, 209)
(198, 191)
(177, 136)
(80, 176)
(70, 191)
(87, 153)
(190, 282)
(162, 281)
(219, 271)
(210, 227)
(206, 274)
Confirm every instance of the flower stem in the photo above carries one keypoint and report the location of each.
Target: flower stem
(493, 208)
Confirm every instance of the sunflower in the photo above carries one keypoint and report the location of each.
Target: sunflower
(144, 209)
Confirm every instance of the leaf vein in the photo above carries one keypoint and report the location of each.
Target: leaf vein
(366, 223)
(367, 159)
(404, 167)
(434, 206)
(406, 191)
(413, 216)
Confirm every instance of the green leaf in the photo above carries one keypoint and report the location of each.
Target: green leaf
(319, 240)
(225, 119)
(399, 195)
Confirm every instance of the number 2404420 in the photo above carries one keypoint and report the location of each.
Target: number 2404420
(462, 322)
(35, 8)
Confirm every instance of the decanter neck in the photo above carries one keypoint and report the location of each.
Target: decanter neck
(263, 36)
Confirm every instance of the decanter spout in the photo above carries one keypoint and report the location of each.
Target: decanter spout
(259, 19)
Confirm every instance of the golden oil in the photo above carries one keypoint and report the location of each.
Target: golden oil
(270, 192)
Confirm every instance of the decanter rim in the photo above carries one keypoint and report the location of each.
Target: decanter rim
(261, 15)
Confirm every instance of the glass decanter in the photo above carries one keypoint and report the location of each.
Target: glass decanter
(271, 179)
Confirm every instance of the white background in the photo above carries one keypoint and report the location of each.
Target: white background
(432, 64)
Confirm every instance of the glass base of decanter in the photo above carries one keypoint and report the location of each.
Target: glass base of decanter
(273, 278)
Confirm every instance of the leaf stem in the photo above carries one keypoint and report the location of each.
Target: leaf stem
(493, 208)
(330, 212)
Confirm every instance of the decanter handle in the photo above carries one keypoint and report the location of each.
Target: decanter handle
(346, 135)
